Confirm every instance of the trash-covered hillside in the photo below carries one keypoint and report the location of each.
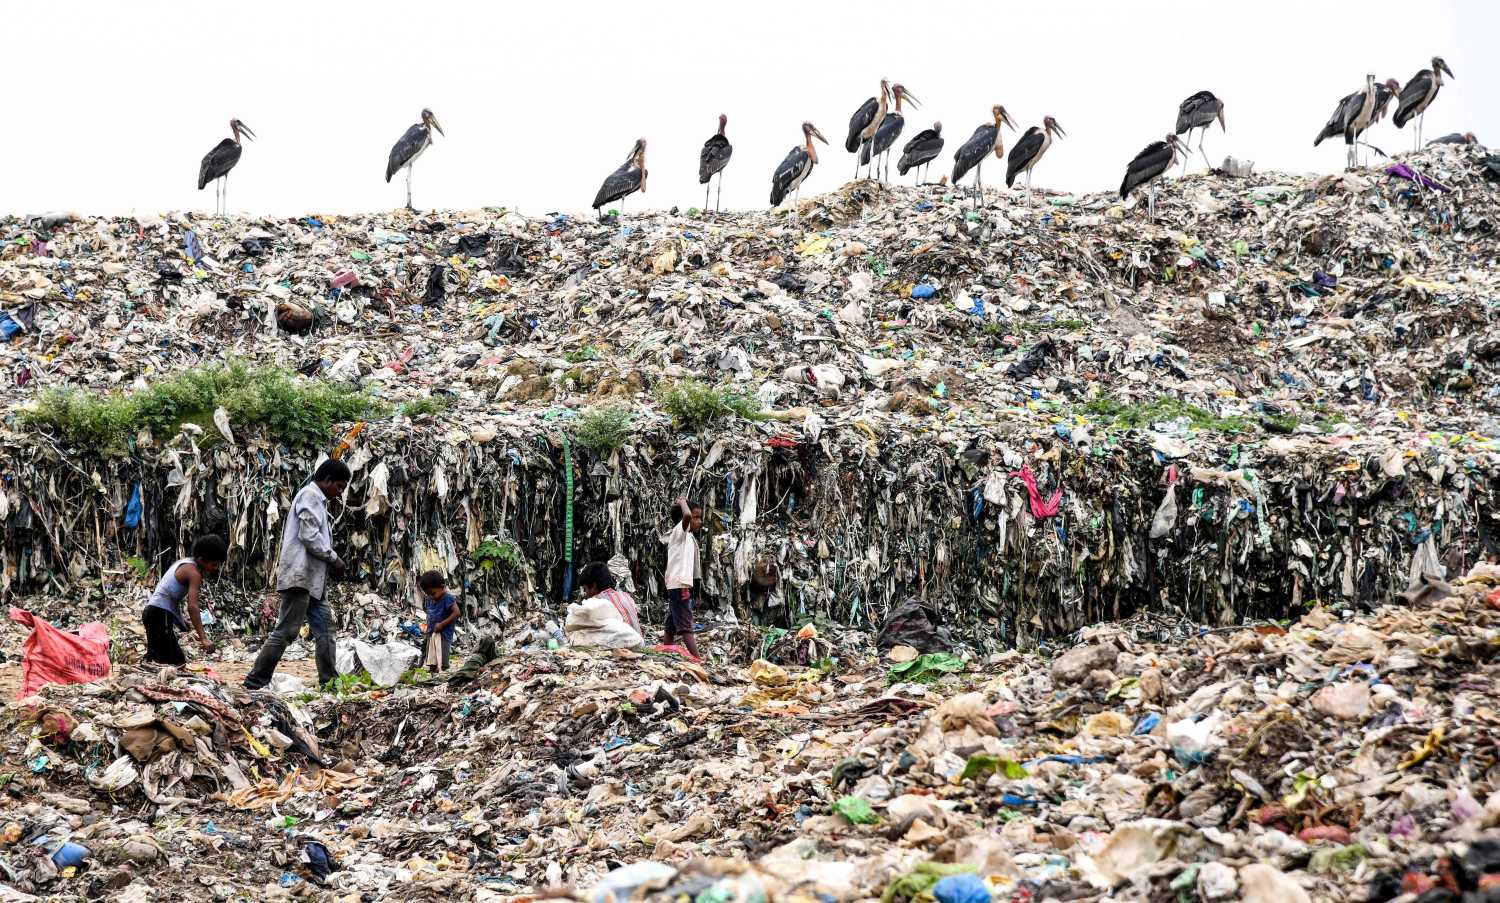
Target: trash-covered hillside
(1034, 416)
(1344, 757)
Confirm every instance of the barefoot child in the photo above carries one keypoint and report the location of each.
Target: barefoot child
(442, 612)
(682, 571)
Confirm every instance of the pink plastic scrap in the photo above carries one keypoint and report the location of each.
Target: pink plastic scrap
(1039, 508)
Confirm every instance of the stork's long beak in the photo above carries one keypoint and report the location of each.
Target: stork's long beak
(1005, 118)
(1449, 71)
(819, 135)
(1058, 129)
(911, 99)
(247, 132)
(438, 127)
(1222, 126)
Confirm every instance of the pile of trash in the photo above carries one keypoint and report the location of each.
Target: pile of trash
(1035, 416)
(1343, 756)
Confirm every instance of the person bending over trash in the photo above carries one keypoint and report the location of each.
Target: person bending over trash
(307, 558)
(180, 584)
(442, 612)
(596, 580)
(682, 570)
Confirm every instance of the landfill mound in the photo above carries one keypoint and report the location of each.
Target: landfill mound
(1034, 416)
(1345, 756)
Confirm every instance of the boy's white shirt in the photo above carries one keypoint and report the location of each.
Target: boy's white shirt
(682, 558)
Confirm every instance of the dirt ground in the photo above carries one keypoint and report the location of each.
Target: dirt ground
(229, 672)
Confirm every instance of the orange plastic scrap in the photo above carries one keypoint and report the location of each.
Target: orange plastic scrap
(348, 440)
(1430, 745)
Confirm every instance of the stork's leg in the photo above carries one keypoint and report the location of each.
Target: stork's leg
(1421, 118)
(408, 187)
(719, 198)
(1028, 185)
(706, 186)
(1151, 203)
(1203, 132)
(226, 194)
(1183, 175)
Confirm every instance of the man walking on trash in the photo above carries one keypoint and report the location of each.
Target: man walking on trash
(682, 570)
(307, 558)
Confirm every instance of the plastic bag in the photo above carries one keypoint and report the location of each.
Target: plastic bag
(386, 663)
(52, 656)
(1166, 514)
(595, 622)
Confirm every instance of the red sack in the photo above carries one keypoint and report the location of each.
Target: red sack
(52, 656)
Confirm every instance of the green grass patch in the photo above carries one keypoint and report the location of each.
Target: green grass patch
(1143, 414)
(285, 407)
(426, 407)
(603, 429)
(694, 404)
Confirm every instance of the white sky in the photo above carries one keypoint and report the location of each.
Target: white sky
(110, 106)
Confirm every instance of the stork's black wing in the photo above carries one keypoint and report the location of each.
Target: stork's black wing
(404, 150)
(1197, 111)
(1450, 138)
(716, 151)
(922, 149)
(885, 136)
(1343, 115)
(786, 174)
(1147, 165)
(218, 161)
(622, 182)
(1412, 95)
(861, 118)
(972, 151)
(1021, 154)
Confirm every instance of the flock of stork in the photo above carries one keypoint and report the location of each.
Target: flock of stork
(875, 126)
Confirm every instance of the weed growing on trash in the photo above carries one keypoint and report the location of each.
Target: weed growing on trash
(291, 410)
(493, 551)
(1143, 414)
(694, 404)
(425, 407)
(603, 429)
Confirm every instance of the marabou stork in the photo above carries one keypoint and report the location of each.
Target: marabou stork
(798, 163)
(985, 141)
(627, 180)
(716, 152)
(866, 120)
(1029, 150)
(921, 150)
(1418, 94)
(218, 162)
(1353, 115)
(1199, 112)
(411, 146)
(1455, 138)
(1148, 166)
(889, 130)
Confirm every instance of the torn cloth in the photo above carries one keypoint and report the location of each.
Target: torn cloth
(1039, 508)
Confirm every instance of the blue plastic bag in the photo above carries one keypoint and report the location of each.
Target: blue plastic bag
(923, 291)
(134, 508)
(961, 889)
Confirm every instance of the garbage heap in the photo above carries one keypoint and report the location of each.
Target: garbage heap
(1035, 415)
(1344, 756)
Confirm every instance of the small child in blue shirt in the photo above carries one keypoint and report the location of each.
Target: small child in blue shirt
(442, 611)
